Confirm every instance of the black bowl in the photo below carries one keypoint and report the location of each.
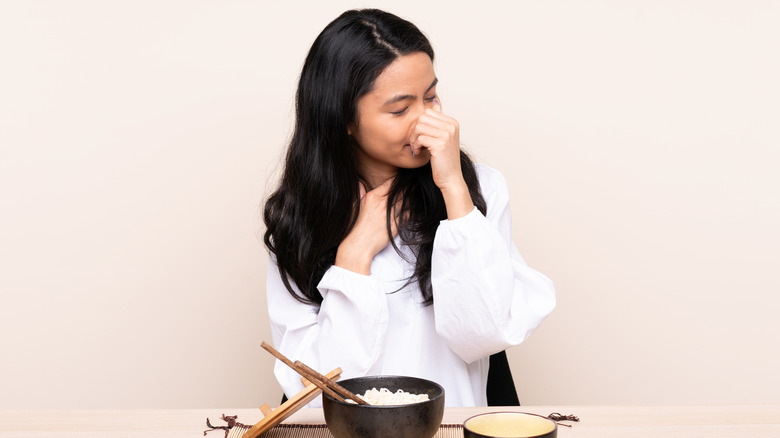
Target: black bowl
(417, 420)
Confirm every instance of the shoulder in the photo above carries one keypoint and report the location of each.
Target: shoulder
(492, 183)
(489, 175)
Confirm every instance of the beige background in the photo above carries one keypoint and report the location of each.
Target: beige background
(640, 140)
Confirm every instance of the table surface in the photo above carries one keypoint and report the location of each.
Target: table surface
(595, 421)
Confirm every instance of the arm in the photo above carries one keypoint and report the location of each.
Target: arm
(347, 330)
(439, 135)
(486, 298)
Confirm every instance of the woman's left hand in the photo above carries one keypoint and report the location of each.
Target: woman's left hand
(439, 134)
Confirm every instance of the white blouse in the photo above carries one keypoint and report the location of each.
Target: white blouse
(486, 299)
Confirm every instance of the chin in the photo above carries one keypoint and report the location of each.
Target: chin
(415, 165)
(416, 162)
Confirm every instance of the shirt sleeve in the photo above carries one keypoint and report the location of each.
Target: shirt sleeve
(347, 330)
(486, 298)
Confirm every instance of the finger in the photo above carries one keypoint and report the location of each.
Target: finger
(431, 127)
(432, 130)
(432, 114)
(384, 188)
(434, 119)
(426, 142)
(416, 150)
(444, 132)
(416, 145)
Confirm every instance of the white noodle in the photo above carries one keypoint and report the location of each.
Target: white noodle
(384, 397)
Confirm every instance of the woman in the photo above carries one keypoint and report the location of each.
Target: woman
(391, 252)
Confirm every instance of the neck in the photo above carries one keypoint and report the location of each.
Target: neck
(375, 173)
(377, 180)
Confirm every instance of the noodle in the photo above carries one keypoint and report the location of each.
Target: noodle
(384, 397)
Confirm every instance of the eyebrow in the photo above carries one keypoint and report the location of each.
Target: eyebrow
(410, 96)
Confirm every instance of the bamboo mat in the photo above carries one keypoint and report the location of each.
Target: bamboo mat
(321, 431)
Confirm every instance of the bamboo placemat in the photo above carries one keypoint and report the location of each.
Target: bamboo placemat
(321, 431)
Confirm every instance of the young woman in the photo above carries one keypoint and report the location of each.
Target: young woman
(391, 252)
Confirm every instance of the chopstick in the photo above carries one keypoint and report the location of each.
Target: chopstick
(340, 390)
(327, 385)
(323, 386)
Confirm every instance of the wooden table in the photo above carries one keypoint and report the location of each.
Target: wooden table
(595, 421)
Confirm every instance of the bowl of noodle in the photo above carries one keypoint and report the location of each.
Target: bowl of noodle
(399, 407)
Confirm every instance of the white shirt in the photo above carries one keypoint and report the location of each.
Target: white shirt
(486, 299)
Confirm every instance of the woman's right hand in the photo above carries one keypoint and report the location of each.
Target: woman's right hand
(369, 235)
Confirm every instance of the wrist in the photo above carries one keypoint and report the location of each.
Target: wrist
(353, 260)
(457, 200)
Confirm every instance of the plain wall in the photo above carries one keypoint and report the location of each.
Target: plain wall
(640, 140)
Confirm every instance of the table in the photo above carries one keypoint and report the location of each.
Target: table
(595, 421)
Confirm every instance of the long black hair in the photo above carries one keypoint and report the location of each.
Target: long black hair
(317, 201)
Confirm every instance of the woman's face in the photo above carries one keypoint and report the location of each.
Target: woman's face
(387, 114)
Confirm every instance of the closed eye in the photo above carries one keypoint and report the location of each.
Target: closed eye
(401, 97)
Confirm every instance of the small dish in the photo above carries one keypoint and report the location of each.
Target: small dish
(509, 425)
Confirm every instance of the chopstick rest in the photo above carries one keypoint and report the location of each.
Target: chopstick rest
(276, 416)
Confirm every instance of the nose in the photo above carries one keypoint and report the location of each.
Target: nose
(415, 111)
(418, 108)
